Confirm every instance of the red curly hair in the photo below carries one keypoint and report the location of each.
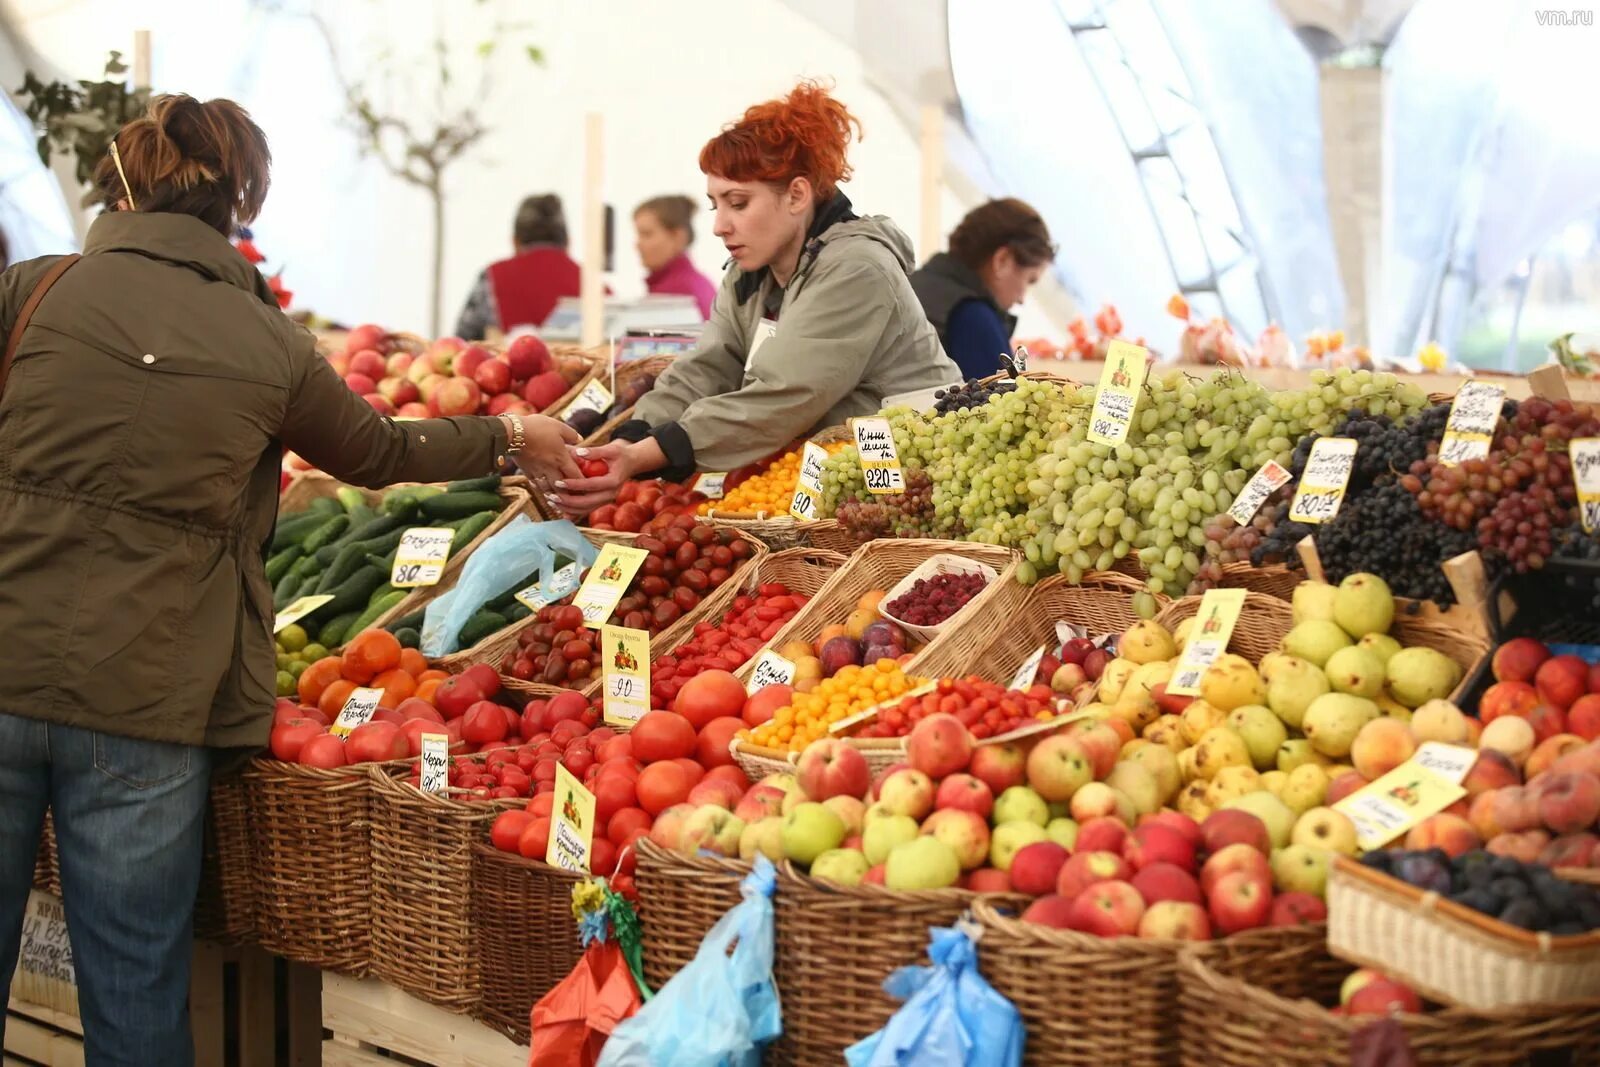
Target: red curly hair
(802, 135)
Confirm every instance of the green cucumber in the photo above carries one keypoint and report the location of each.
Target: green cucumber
(504, 600)
(412, 621)
(325, 533)
(382, 604)
(481, 625)
(469, 530)
(360, 515)
(448, 506)
(352, 593)
(384, 590)
(335, 630)
(345, 563)
(516, 612)
(399, 501)
(486, 484)
(325, 506)
(383, 544)
(277, 566)
(293, 530)
(375, 527)
(350, 498)
(408, 637)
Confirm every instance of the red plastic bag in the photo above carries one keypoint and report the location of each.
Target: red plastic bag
(572, 1022)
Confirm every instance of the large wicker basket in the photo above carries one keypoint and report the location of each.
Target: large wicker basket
(225, 908)
(680, 900)
(1238, 1012)
(1272, 579)
(836, 945)
(311, 832)
(1101, 604)
(829, 534)
(1451, 953)
(524, 935)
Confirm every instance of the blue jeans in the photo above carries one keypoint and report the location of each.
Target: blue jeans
(129, 824)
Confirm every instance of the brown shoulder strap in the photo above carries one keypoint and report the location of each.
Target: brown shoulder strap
(51, 276)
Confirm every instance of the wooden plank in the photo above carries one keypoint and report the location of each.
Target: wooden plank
(42, 1044)
(206, 1003)
(380, 1015)
(592, 280)
(303, 1002)
(339, 1054)
(258, 1037)
(41, 1013)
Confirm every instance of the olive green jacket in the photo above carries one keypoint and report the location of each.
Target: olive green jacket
(141, 436)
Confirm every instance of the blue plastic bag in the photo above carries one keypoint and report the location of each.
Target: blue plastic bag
(722, 1008)
(521, 547)
(951, 1016)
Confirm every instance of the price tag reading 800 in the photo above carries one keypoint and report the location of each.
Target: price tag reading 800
(1323, 483)
(1585, 453)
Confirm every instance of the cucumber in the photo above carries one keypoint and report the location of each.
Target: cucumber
(279, 564)
(353, 592)
(335, 630)
(516, 612)
(293, 530)
(481, 625)
(408, 637)
(283, 592)
(325, 533)
(383, 544)
(376, 608)
(406, 622)
(376, 527)
(345, 563)
(486, 484)
(360, 515)
(383, 563)
(399, 501)
(468, 531)
(350, 498)
(326, 506)
(327, 554)
(448, 506)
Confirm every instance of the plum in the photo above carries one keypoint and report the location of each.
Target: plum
(838, 653)
(884, 632)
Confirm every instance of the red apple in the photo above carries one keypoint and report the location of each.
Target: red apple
(1384, 996)
(1084, 869)
(459, 396)
(1053, 910)
(1292, 909)
(1164, 881)
(527, 357)
(1583, 718)
(1561, 680)
(1109, 909)
(939, 745)
(493, 376)
(964, 792)
(1175, 920)
(469, 359)
(999, 766)
(989, 880)
(367, 362)
(360, 383)
(1240, 900)
(1152, 843)
(1230, 827)
(1518, 660)
(1036, 867)
(1104, 833)
(831, 768)
(1236, 858)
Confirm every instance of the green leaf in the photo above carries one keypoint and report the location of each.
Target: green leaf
(535, 54)
(485, 49)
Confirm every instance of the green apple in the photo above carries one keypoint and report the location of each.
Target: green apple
(1009, 837)
(1273, 813)
(1326, 829)
(1063, 832)
(847, 866)
(764, 837)
(1021, 804)
(810, 830)
(1302, 869)
(925, 863)
(1296, 751)
(883, 833)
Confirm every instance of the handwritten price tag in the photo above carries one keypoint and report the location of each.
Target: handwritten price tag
(1030, 666)
(1208, 640)
(880, 461)
(435, 766)
(608, 579)
(543, 594)
(593, 397)
(1585, 454)
(359, 708)
(299, 610)
(1118, 393)
(808, 489)
(420, 559)
(1468, 431)
(625, 663)
(1266, 481)
(45, 951)
(1322, 485)
(1424, 785)
(572, 831)
(770, 669)
(711, 484)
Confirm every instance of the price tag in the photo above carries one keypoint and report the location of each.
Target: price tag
(45, 951)
(358, 708)
(808, 489)
(880, 461)
(435, 767)
(1266, 481)
(572, 824)
(1321, 489)
(710, 484)
(770, 669)
(541, 594)
(1118, 393)
(1030, 666)
(421, 556)
(608, 579)
(625, 662)
(299, 610)
(593, 397)
(1213, 625)
(1468, 431)
(1423, 785)
(1585, 455)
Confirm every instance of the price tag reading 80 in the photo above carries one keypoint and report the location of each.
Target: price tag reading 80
(419, 560)
(1322, 485)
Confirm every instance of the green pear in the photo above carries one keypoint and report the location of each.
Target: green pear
(1363, 605)
(1333, 721)
(1356, 671)
(1381, 645)
(1313, 600)
(1295, 753)
(1295, 684)
(1262, 731)
(1418, 675)
(1315, 640)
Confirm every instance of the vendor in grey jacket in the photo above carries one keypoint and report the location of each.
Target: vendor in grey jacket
(815, 322)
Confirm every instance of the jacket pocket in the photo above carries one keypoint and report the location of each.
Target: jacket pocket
(140, 764)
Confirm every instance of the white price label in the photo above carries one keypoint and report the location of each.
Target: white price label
(435, 766)
(711, 484)
(1030, 666)
(592, 397)
(359, 708)
(420, 559)
(880, 460)
(1322, 485)
(1198, 655)
(808, 488)
(541, 594)
(45, 950)
(1450, 762)
(625, 697)
(1585, 455)
(1474, 415)
(1266, 481)
(299, 610)
(770, 669)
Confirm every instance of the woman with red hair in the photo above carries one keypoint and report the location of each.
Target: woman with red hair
(815, 322)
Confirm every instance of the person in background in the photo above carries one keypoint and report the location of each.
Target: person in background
(663, 239)
(997, 252)
(815, 322)
(154, 386)
(523, 290)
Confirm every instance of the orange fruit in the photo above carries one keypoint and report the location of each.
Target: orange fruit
(426, 689)
(333, 697)
(397, 685)
(369, 654)
(432, 676)
(317, 677)
(413, 662)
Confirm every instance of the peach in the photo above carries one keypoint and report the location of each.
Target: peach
(1585, 759)
(1481, 814)
(1343, 785)
(1381, 746)
(1518, 659)
(1512, 736)
(1102, 834)
(1451, 833)
(1569, 850)
(1547, 722)
(1583, 718)
(1546, 752)
(1165, 881)
(1507, 698)
(1569, 801)
(1526, 846)
(1492, 770)
(1516, 809)
(1561, 680)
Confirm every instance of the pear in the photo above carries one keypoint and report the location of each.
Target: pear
(1295, 684)
(1356, 671)
(1305, 788)
(1381, 645)
(1313, 600)
(1418, 675)
(1146, 642)
(1315, 640)
(1333, 721)
(1198, 717)
(1296, 752)
(1272, 812)
(1270, 663)
(1180, 636)
(1262, 731)
(1363, 605)
(1219, 748)
(1231, 783)
(1230, 683)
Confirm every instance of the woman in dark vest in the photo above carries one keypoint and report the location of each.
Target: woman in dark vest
(523, 290)
(997, 252)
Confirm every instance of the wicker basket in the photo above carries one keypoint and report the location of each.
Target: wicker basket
(225, 909)
(626, 372)
(1273, 579)
(311, 834)
(1241, 1011)
(777, 531)
(422, 914)
(1451, 953)
(1100, 604)
(680, 900)
(525, 938)
(829, 534)
(836, 945)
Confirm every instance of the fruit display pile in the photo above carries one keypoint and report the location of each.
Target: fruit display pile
(768, 490)
(1019, 470)
(1523, 894)
(984, 708)
(557, 649)
(729, 643)
(343, 547)
(638, 503)
(849, 690)
(935, 599)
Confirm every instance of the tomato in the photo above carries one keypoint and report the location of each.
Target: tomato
(324, 750)
(692, 766)
(711, 747)
(507, 829)
(612, 793)
(483, 722)
(594, 468)
(661, 735)
(456, 694)
(318, 677)
(289, 737)
(535, 839)
(625, 821)
(413, 729)
(662, 785)
(602, 856)
(710, 695)
(731, 773)
(563, 706)
(619, 747)
(413, 708)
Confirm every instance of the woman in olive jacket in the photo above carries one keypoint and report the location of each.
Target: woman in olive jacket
(142, 424)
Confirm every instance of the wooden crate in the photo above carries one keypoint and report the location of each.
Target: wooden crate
(36, 1034)
(376, 1025)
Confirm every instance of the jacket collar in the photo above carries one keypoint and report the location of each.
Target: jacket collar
(672, 267)
(836, 210)
(180, 239)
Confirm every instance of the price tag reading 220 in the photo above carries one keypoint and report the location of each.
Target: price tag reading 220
(880, 461)
(1322, 485)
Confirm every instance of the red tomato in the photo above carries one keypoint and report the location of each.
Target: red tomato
(594, 468)
(731, 773)
(662, 785)
(711, 747)
(602, 856)
(625, 822)
(543, 804)
(661, 735)
(416, 708)
(613, 793)
(327, 751)
(626, 766)
(289, 737)
(692, 767)
(487, 677)
(483, 722)
(374, 742)
(564, 706)
(412, 731)
(709, 695)
(456, 694)
(535, 839)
